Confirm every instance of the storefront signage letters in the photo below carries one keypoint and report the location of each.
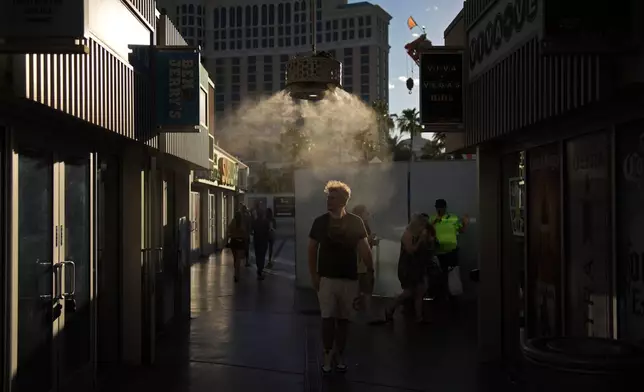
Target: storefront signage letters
(629, 150)
(177, 97)
(441, 95)
(506, 25)
(633, 164)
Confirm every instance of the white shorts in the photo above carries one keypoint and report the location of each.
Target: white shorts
(336, 298)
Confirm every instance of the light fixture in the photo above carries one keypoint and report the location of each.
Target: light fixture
(312, 76)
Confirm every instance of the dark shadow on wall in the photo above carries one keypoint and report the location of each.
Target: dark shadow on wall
(109, 262)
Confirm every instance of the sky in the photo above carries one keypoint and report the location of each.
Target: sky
(435, 16)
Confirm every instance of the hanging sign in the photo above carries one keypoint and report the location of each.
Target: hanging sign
(227, 171)
(177, 92)
(441, 87)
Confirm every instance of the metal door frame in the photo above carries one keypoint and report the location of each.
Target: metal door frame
(5, 253)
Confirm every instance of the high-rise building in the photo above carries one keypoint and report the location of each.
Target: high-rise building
(247, 43)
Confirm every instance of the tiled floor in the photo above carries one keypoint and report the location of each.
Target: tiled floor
(248, 337)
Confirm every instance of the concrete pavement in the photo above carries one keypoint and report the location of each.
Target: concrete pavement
(248, 337)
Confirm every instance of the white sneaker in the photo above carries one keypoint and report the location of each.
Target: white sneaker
(340, 366)
(327, 365)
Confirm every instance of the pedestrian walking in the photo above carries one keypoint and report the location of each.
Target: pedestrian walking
(237, 240)
(248, 221)
(448, 227)
(271, 237)
(336, 240)
(416, 256)
(261, 228)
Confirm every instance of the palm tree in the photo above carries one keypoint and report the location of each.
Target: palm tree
(439, 139)
(396, 149)
(430, 150)
(385, 125)
(434, 147)
(408, 122)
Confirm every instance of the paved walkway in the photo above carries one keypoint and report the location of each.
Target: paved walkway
(248, 337)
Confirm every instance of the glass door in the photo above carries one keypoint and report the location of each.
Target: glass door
(75, 260)
(35, 270)
(195, 242)
(212, 220)
(53, 261)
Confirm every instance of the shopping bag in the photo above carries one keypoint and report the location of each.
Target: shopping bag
(454, 281)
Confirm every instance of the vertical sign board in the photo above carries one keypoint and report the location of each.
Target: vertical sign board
(441, 87)
(630, 226)
(43, 19)
(544, 241)
(177, 90)
(284, 206)
(589, 228)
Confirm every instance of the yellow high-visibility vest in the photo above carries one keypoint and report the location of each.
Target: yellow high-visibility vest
(447, 230)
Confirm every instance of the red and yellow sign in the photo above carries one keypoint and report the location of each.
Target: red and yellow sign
(227, 171)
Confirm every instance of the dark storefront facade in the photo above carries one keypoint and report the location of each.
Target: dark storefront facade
(94, 196)
(560, 142)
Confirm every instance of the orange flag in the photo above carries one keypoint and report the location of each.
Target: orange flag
(411, 23)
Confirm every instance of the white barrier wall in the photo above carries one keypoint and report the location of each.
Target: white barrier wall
(383, 189)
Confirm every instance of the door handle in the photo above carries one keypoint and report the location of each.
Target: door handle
(70, 293)
(47, 266)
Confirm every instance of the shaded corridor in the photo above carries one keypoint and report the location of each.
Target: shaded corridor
(248, 337)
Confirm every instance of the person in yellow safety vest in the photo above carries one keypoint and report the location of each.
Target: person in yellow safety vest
(448, 227)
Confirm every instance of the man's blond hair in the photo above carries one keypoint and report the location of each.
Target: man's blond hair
(338, 186)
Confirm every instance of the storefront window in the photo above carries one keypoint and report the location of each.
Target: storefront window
(513, 276)
(630, 226)
(588, 236)
(544, 241)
